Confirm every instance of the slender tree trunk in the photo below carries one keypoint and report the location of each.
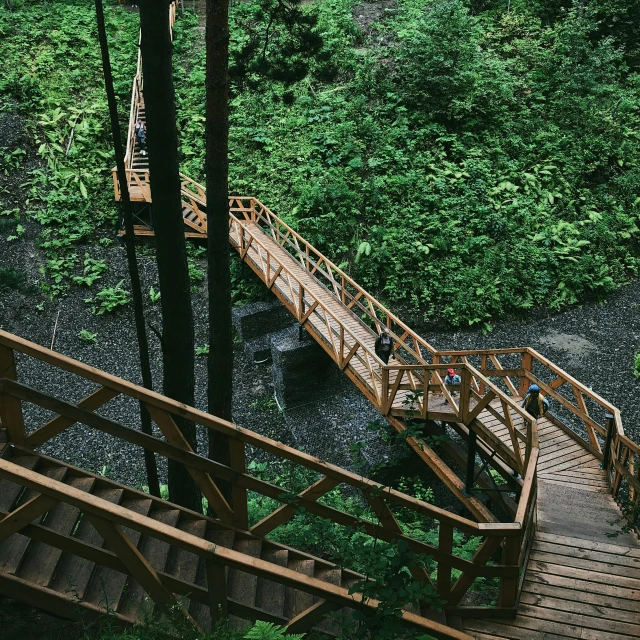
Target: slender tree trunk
(171, 251)
(141, 333)
(220, 363)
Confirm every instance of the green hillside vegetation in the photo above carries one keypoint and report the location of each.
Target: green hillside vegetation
(461, 160)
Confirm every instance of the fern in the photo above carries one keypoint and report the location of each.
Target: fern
(269, 631)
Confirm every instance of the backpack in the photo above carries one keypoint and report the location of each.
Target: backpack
(385, 343)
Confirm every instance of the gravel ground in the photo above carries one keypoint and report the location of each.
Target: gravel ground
(595, 343)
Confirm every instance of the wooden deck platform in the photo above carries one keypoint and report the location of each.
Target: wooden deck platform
(580, 581)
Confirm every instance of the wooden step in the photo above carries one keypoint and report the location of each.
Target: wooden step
(295, 601)
(242, 586)
(107, 585)
(270, 595)
(74, 573)
(332, 576)
(40, 562)
(14, 548)
(9, 491)
(156, 552)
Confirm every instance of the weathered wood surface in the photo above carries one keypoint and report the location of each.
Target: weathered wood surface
(580, 582)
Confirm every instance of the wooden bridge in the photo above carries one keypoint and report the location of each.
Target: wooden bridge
(77, 544)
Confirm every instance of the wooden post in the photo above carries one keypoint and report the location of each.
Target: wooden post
(510, 556)
(445, 545)
(238, 463)
(217, 590)
(10, 407)
(527, 363)
(471, 461)
(385, 389)
(609, 422)
(465, 394)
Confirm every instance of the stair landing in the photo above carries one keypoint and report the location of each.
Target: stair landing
(582, 581)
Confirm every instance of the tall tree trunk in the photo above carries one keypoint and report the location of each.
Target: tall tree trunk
(171, 251)
(141, 333)
(220, 363)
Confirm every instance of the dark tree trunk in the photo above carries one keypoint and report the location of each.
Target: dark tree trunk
(145, 418)
(220, 363)
(171, 252)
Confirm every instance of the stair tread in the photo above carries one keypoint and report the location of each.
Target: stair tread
(182, 564)
(13, 549)
(332, 576)
(156, 552)
(74, 573)
(106, 587)
(10, 491)
(242, 586)
(270, 595)
(297, 601)
(41, 560)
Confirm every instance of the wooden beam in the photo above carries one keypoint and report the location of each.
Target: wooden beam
(24, 515)
(216, 591)
(57, 425)
(309, 618)
(208, 487)
(10, 407)
(135, 562)
(286, 512)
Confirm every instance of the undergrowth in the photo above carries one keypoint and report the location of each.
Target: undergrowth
(458, 192)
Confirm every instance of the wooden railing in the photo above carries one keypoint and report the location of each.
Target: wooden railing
(408, 344)
(575, 408)
(511, 539)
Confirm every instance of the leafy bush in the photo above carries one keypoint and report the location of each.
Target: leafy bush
(636, 366)
(109, 299)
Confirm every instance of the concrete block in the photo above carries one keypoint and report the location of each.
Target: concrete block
(261, 318)
(302, 371)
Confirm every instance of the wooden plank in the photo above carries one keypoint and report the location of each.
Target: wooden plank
(603, 603)
(604, 623)
(586, 555)
(41, 562)
(55, 426)
(10, 407)
(156, 553)
(208, 487)
(609, 546)
(595, 566)
(630, 586)
(135, 562)
(526, 629)
(286, 512)
(24, 514)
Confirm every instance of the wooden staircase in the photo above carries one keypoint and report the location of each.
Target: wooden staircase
(64, 563)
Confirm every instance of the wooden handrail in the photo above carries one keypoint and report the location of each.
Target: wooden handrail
(94, 507)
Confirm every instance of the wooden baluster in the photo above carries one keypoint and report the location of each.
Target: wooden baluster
(527, 364)
(238, 463)
(10, 407)
(483, 371)
(445, 545)
(217, 590)
(465, 395)
(385, 390)
(510, 556)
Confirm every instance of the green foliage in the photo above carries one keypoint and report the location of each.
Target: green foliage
(154, 296)
(93, 270)
(269, 631)
(203, 350)
(461, 164)
(54, 76)
(636, 366)
(87, 336)
(109, 299)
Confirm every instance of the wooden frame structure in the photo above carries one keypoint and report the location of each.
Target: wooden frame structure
(512, 538)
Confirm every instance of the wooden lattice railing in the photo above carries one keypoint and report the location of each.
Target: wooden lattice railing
(452, 576)
(580, 412)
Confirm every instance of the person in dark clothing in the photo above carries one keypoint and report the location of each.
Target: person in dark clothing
(141, 137)
(384, 346)
(534, 402)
